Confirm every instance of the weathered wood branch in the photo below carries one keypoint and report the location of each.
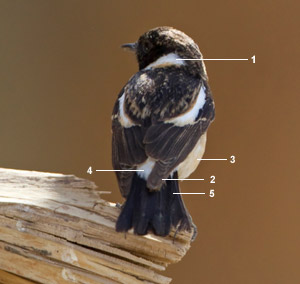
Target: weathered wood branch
(56, 228)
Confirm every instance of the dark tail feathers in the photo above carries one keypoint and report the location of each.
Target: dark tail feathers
(155, 211)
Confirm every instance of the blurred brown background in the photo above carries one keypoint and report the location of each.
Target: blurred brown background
(61, 68)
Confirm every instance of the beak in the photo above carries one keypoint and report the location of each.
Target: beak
(130, 46)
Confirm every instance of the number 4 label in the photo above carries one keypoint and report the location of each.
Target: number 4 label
(89, 171)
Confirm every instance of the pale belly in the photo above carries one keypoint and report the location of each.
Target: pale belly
(191, 163)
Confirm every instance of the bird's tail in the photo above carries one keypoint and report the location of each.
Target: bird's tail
(154, 211)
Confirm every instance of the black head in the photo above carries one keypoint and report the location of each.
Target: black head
(162, 41)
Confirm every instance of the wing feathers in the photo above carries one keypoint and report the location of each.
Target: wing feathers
(127, 152)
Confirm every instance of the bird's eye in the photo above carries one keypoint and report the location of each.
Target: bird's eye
(147, 47)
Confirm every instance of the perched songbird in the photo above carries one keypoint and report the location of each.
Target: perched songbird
(159, 126)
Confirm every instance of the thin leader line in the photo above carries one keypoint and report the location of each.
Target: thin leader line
(202, 59)
(212, 159)
(119, 170)
(188, 192)
(183, 179)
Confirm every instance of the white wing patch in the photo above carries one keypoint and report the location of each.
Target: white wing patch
(190, 116)
(123, 118)
(169, 59)
(147, 166)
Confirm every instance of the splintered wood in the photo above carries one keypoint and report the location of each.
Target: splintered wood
(57, 229)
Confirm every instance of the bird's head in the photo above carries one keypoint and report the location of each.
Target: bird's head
(163, 41)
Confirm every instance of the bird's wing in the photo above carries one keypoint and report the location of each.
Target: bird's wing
(169, 141)
(127, 149)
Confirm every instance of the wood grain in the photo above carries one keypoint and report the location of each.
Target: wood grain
(56, 228)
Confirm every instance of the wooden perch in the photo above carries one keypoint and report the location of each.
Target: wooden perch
(56, 228)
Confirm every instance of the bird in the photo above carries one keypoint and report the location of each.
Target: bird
(159, 128)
